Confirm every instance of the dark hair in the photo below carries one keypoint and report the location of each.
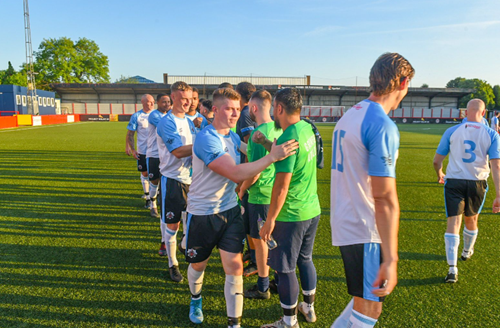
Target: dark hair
(195, 89)
(262, 95)
(180, 86)
(388, 72)
(161, 95)
(245, 89)
(290, 99)
(225, 93)
(207, 103)
(225, 85)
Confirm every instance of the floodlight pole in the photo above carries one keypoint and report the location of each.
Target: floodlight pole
(30, 71)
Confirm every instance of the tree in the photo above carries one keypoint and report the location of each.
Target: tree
(64, 61)
(496, 92)
(482, 90)
(425, 85)
(10, 76)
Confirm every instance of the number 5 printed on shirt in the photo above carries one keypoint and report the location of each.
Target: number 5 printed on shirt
(337, 142)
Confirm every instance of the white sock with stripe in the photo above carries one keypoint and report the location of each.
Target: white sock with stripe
(195, 279)
(171, 245)
(470, 237)
(343, 319)
(452, 242)
(358, 320)
(145, 184)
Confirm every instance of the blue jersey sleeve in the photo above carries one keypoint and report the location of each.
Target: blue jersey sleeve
(154, 118)
(494, 151)
(204, 123)
(167, 130)
(132, 124)
(381, 138)
(208, 148)
(444, 144)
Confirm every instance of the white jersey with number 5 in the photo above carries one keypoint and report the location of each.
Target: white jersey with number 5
(365, 143)
(469, 145)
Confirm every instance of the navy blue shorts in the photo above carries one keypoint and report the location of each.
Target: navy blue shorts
(223, 230)
(173, 199)
(142, 166)
(153, 168)
(244, 212)
(464, 196)
(361, 265)
(295, 244)
(256, 211)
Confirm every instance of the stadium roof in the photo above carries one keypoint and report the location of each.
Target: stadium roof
(308, 90)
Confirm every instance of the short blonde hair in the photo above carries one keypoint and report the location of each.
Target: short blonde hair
(225, 93)
(388, 72)
(180, 86)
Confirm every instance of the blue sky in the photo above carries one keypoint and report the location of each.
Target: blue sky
(333, 41)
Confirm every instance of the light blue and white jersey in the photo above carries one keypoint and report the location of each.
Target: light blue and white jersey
(153, 119)
(174, 132)
(139, 123)
(494, 123)
(483, 121)
(204, 123)
(469, 145)
(211, 193)
(365, 143)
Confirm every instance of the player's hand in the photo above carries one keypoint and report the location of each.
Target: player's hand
(441, 177)
(267, 230)
(496, 205)
(258, 137)
(197, 121)
(132, 152)
(386, 280)
(284, 150)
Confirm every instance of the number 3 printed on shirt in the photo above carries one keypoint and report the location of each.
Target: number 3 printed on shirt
(470, 151)
(338, 141)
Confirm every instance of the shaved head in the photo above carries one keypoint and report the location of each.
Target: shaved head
(148, 102)
(475, 110)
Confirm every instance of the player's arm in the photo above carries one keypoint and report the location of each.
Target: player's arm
(495, 174)
(259, 138)
(245, 185)
(227, 167)
(387, 220)
(438, 166)
(278, 197)
(129, 144)
(183, 151)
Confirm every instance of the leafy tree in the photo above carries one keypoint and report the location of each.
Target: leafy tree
(10, 76)
(425, 85)
(496, 92)
(482, 90)
(126, 79)
(64, 61)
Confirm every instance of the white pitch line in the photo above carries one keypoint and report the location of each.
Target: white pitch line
(43, 126)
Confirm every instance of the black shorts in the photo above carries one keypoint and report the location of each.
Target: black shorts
(204, 232)
(173, 199)
(464, 196)
(256, 211)
(142, 166)
(361, 265)
(295, 244)
(153, 168)
(244, 212)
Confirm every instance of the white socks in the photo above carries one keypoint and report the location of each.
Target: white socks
(451, 242)
(195, 279)
(233, 292)
(343, 318)
(163, 229)
(145, 184)
(171, 245)
(358, 320)
(153, 191)
(470, 237)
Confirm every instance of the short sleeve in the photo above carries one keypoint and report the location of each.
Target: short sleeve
(154, 118)
(494, 151)
(247, 125)
(208, 148)
(287, 165)
(444, 145)
(381, 138)
(132, 124)
(204, 123)
(167, 130)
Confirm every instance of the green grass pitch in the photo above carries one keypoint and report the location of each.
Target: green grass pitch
(77, 248)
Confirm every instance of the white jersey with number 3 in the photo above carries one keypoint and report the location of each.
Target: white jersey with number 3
(469, 145)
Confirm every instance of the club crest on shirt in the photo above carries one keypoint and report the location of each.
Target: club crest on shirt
(191, 253)
(388, 161)
(226, 149)
(180, 130)
(170, 215)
